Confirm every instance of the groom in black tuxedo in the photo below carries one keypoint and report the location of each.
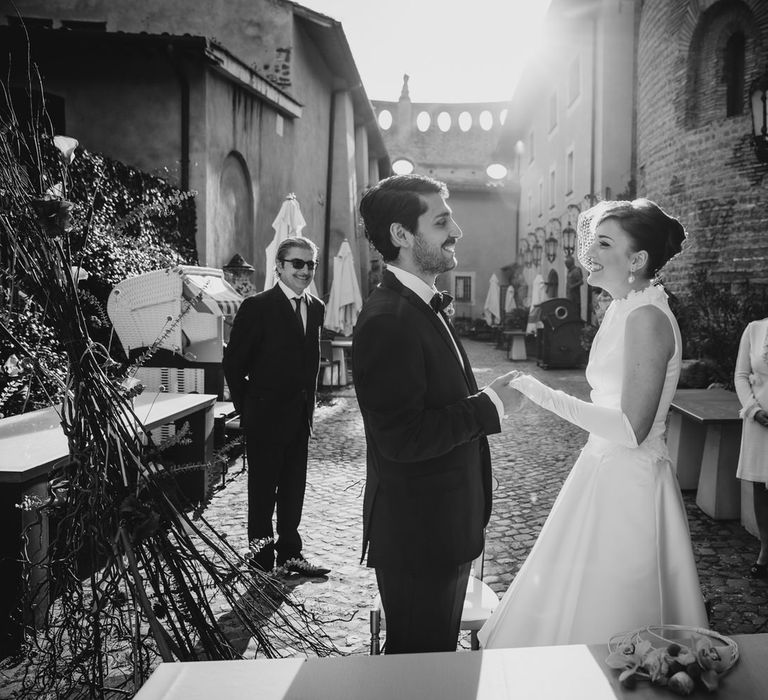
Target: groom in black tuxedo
(271, 365)
(428, 489)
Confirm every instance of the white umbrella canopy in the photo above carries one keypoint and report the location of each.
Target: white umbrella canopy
(345, 301)
(492, 306)
(288, 222)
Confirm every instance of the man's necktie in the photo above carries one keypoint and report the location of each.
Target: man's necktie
(297, 301)
(440, 301)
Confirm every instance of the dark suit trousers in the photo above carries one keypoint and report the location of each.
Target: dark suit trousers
(422, 610)
(277, 476)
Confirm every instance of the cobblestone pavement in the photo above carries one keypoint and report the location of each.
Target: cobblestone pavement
(531, 459)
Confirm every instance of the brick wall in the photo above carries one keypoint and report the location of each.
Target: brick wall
(693, 160)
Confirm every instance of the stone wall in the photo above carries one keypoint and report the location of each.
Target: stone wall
(693, 159)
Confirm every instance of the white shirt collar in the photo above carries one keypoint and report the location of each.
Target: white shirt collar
(417, 285)
(289, 292)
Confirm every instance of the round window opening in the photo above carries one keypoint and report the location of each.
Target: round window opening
(402, 166)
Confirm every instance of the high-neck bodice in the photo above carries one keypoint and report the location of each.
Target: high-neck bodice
(606, 360)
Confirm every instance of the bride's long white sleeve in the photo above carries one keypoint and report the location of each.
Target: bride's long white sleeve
(608, 423)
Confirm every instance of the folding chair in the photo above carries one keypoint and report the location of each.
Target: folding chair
(327, 361)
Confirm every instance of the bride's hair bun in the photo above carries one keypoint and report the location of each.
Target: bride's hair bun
(674, 239)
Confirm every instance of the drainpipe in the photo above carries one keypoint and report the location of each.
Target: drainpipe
(184, 87)
(593, 129)
(593, 125)
(329, 192)
(635, 71)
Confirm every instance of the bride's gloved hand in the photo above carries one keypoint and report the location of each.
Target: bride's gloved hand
(608, 423)
(509, 396)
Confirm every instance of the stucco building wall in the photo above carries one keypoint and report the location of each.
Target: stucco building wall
(569, 137)
(245, 155)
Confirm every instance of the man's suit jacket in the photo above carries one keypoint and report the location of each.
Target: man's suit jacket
(428, 488)
(271, 365)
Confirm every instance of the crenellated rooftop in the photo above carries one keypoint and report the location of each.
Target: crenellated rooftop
(455, 141)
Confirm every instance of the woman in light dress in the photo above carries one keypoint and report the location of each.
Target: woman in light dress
(615, 552)
(751, 382)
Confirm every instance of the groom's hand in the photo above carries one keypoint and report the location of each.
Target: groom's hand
(511, 398)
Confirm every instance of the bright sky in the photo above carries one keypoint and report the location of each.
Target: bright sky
(453, 51)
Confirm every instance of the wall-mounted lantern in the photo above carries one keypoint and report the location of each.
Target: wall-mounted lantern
(239, 273)
(536, 254)
(537, 248)
(569, 232)
(758, 95)
(550, 244)
(569, 241)
(525, 252)
(528, 257)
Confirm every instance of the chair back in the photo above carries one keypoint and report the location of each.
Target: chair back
(326, 350)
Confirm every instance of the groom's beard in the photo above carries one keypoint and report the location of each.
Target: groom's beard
(430, 259)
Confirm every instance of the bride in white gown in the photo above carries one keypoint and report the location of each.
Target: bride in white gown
(615, 552)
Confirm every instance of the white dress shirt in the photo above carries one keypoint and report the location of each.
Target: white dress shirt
(291, 296)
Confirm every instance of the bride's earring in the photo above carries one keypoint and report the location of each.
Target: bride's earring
(631, 278)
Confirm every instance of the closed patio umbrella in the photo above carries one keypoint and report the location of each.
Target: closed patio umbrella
(345, 301)
(509, 300)
(288, 222)
(492, 306)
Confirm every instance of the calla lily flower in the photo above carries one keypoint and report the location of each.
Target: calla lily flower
(67, 146)
(79, 273)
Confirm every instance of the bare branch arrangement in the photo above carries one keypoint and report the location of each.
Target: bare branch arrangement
(128, 576)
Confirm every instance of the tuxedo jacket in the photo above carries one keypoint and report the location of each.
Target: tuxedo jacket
(271, 365)
(428, 485)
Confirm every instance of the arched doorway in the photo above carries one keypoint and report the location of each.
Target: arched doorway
(553, 282)
(234, 217)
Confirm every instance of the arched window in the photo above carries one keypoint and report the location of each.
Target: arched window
(733, 66)
(724, 49)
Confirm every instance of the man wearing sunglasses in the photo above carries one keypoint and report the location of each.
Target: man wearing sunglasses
(271, 364)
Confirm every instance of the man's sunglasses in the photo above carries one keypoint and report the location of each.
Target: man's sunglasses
(298, 263)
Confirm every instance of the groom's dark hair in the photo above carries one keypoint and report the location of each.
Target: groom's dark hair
(396, 199)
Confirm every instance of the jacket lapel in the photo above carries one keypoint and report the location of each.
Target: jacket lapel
(468, 374)
(314, 318)
(286, 306)
(389, 281)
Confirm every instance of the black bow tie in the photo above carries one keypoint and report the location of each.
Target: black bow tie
(440, 301)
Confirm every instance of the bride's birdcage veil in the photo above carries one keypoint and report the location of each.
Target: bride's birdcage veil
(587, 223)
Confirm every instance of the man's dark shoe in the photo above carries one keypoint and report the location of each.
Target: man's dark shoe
(299, 565)
(261, 554)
